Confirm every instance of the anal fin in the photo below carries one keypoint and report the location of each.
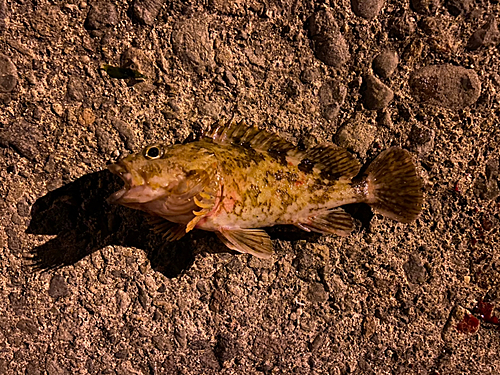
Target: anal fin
(335, 221)
(252, 241)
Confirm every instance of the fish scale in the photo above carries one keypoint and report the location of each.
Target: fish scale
(237, 179)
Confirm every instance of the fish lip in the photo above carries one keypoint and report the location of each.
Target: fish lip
(120, 169)
(116, 197)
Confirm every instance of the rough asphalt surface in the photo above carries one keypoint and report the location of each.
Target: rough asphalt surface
(87, 287)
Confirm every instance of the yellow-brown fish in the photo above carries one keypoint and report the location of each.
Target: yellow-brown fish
(236, 179)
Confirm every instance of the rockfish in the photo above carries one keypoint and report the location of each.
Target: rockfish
(237, 179)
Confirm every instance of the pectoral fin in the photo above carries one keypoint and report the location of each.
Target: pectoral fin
(251, 241)
(335, 221)
(206, 202)
(170, 231)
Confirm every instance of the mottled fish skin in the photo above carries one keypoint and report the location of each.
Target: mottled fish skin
(261, 191)
(238, 178)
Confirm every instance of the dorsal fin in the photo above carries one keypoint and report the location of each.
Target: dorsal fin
(239, 133)
(334, 162)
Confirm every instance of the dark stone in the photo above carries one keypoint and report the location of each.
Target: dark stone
(385, 64)
(180, 336)
(332, 92)
(376, 94)
(333, 51)
(488, 186)
(458, 7)
(101, 15)
(229, 78)
(317, 293)
(329, 45)
(367, 9)
(121, 354)
(105, 141)
(402, 26)
(23, 209)
(24, 138)
(204, 288)
(309, 75)
(143, 297)
(218, 301)
(421, 139)
(226, 348)
(446, 86)
(58, 287)
(415, 271)
(192, 44)
(18, 302)
(487, 35)
(146, 11)
(426, 7)
(33, 368)
(126, 133)
(28, 326)
(8, 74)
(76, 90)
(162, 343)
(13, 240)
(318, 342)
(208, 361)
(331, 96)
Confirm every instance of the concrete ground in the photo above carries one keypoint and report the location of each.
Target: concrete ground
(89, 288)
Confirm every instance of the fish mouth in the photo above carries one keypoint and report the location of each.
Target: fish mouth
(120, 170)
(132, 194)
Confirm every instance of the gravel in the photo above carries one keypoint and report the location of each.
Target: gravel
(90, 288)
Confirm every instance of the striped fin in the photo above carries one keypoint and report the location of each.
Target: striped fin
(251, 241)
(335, 221)
(239, 133)
(334, 162)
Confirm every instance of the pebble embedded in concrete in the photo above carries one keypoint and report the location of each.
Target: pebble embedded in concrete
(447, 86)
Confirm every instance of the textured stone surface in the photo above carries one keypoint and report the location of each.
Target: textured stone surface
(367, 8)
(146, 11)
(427, 7)
(385, 63)
(331, 96)
(446, 86)
(357, 135)
(329, 44)
(487, 35)
(89, 288)
(376, 94)
(101, 15)
(8, 74)
(192, 44)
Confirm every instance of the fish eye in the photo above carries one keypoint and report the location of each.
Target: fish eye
(152, 152)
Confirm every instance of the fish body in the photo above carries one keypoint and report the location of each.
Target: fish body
(237, 179)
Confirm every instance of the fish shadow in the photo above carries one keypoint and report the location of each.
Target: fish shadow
(83, 223)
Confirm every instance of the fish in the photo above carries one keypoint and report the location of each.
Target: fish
(238, 179)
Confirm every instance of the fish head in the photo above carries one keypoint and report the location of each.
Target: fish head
(148, 176)
(163, 180)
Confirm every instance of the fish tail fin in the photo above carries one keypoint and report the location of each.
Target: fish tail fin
(393, 187)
